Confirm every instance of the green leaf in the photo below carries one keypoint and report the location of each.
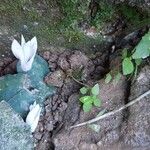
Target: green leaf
(127, 66)
(85, 99)
(94, 127)
(87, 106)
(95, 89)
(108, 78)
(117, 78)
(83, 90)
(138, 61)
(97, 102)
(142, 50)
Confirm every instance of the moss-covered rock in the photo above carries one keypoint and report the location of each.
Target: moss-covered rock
(14, 133)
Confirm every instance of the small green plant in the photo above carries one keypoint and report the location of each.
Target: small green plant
(131, 62)
(90, 97)
(108, 78)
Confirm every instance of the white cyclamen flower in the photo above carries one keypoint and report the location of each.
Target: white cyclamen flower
(33, 116)
(25, 52)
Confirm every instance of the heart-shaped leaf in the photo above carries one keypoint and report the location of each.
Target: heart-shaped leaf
(85, 99)
(142, 50)
(95, 89)
(127, 66)
(138, 61)
(97, 102)
(83, 90)
(108, 78)
(87, 106)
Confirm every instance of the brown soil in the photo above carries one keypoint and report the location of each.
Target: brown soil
(128, 129)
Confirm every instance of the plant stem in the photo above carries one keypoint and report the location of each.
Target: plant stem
(112, 112)
(79, 81)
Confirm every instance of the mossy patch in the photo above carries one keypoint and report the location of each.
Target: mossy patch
(105, 13)
(28, 18)
(135, 17)
(59, 22)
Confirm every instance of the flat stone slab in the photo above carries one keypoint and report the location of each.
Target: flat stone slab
(24, 88)
(14, 132)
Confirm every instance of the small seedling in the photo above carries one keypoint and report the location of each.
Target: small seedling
(131, 61)
(108, 78)
(90, 97)
(127, 66)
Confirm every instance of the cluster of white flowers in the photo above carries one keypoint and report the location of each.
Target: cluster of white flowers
(33, 116)
(26, 53)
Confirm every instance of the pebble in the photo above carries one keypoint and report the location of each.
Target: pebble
(37, 135)
(50, 126)
(56, 78)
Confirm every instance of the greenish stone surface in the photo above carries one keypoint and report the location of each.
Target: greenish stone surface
(38, 71)
(14, 132)
(22, 89)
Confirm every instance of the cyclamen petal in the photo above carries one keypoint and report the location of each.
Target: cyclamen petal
(25, 52)
(33, 116)
(22, 40)
(17, 50)
(28, 65)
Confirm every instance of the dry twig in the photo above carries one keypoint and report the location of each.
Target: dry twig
(112, 112)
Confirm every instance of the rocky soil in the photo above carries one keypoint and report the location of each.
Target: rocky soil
(128, 129)
(87, 64)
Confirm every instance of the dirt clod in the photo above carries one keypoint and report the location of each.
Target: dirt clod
(56, 78)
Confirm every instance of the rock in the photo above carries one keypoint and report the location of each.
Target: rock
(22, 89)
(46, 55)
(49, 126)
(45, 143)
(14, 133)
(53, 57)
(143, 4)
(69, 87)
(1, 63)
(56, 78)
(87, 146)
(39, 69)
(52, 65)
(136, 128)
(63, 63)
(37, 135)
(73, 110)
(78, 60)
